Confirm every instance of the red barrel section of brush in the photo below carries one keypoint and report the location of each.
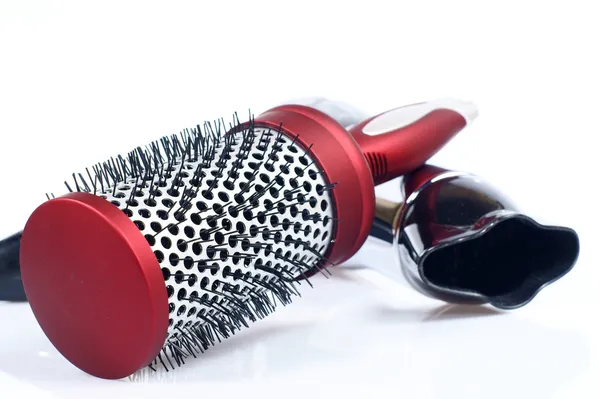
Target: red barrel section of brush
(342, 163)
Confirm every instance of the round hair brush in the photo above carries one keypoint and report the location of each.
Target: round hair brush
(153, 257)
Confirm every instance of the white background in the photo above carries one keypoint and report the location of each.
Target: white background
(82, 81)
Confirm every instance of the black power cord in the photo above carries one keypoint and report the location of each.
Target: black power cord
(11, 286)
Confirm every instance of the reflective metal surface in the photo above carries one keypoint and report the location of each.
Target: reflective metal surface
(460, 240)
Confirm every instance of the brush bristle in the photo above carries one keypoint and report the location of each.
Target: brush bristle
(235, 221)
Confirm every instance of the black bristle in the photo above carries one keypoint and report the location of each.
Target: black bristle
(99, 177)
(187, 341)
(77, 189)
(92, 180)
(131, 197)
(276, 146)
(142, 156)
(294, 141)
(307, 150)
(166, 148)
(123, 166)
(327, 187)
(174, 355)
(164, 351)
(289, 282)
(108, 173)
(162, 362)
(116, 170)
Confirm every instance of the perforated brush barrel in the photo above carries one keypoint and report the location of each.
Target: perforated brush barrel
(154, 257)
(231, 231)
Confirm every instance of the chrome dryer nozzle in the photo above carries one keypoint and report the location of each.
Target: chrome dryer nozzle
(461, 240)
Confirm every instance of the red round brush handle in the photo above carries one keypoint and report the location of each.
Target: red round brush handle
(398, 141)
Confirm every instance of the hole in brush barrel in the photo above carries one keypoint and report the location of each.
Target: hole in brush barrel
(508, 264)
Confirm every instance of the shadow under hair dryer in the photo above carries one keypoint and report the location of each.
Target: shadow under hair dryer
(460, 240)
(455, 236)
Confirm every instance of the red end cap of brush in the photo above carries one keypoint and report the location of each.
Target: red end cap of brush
(94, 285)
